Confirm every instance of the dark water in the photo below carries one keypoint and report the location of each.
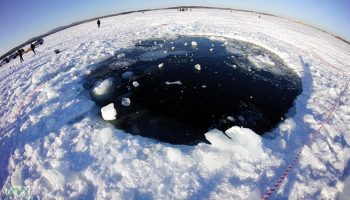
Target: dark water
(178, 103)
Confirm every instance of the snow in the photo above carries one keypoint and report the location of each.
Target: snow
(109, 112)
(54, 143)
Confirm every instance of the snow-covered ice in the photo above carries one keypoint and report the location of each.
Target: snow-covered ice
(54, 143)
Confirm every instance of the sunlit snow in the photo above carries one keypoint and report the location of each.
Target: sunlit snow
(54, 143)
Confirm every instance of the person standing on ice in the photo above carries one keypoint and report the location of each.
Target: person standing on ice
(32, 47)
(98, 23)
(20, 53)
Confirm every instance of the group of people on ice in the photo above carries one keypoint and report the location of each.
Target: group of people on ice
(21, 51)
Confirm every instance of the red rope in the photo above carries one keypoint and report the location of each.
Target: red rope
(296, 158)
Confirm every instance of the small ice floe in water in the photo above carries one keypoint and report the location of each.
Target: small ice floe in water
(194, 44)
(165, 52)
(211, 50)
(135, 84)
(172, 48)
(173, 83)
(127, 75)
(229, 118)
(161, 65)
(109, 112)
(102, 88)
(121, 55)
(197, 67)
(185, 44)
(125, 101)
(204, 86)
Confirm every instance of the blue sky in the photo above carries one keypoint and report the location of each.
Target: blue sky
(21, 20)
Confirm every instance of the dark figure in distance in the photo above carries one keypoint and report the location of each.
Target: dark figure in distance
(98, 23)
(32, 46)
(20, 53)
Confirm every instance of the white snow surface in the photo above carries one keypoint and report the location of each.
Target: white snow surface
(54, 143)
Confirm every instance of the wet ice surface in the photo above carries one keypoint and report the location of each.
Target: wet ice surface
(173, 92)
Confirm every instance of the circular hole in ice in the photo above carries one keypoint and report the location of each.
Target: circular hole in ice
(178, 96)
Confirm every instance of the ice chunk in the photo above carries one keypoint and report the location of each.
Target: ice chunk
(211, 49)
(185, 44)
(109, 112)
(194, 44)
(172, 48)
(236, 139)
(204, 86)
(173, 83)
(229, 118)
(197, 67)
(127, 75)
(125, 101)
(102, 88)
(160, 65)
(135, 84)
(218, 139)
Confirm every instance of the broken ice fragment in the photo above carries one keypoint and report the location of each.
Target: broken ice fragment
(194, 44)
(197, 67)
(211, 49)
(135, 84)
(229, 118)
(109, 112)
(102, 88)
(185, 44)
(125, 101)
(160, 65)
(173, 83)
(172, 48)
(127, 75)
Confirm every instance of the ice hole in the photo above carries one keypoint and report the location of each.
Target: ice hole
(180, 95)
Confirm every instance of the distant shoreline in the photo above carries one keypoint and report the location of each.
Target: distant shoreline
(145, 10)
